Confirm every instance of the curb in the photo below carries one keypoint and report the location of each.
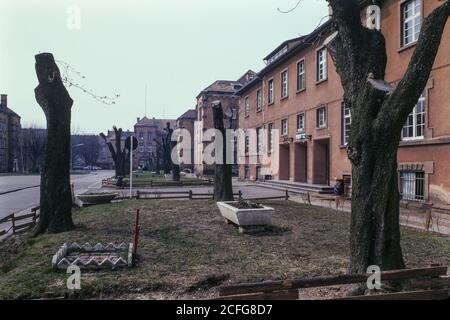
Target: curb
(20, 189)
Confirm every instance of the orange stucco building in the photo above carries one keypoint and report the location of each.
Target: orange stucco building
(300, 93)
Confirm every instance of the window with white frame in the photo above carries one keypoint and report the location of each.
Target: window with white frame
(411, 21)
(270, 92)
(415, 124)
(346, 122)
(258, 100)
(246, 106)
(284, 127)
(301, 122)
(270, 137)
(322, 65)
(284, 84)
(259, 140)
(412, 185)
(321, 117)
(301, 81)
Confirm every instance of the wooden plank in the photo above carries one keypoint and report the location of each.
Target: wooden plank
(162, 192)
(328, 281)
(266, 198)
(276, 295)
(25, 225)
(440, 294)
(441, 282)
(2, 232)
(24, 230)
(22, 217)
(8, 217)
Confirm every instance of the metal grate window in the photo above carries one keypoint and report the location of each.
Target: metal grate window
(412, 186)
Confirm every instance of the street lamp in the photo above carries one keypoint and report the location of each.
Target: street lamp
(71, 153)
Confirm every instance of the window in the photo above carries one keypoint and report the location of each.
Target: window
(321, 117)
(301, 75)
(141, 136)
(411, 21)
(259, 141)
(284, 127)
(258, 100)
(322, 65)
(246, 106)
(412, 185)
(270, 137)
(415, 124)
(141, 149)
(233, 113)
(284, 84)
(270, 96)
(301, 122)
(346, 122)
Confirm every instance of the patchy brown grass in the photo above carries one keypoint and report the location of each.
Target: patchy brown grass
(186, 251)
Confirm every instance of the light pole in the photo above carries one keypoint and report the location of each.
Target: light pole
(71, 153)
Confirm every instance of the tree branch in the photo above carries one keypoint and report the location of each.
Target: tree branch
(408, 91)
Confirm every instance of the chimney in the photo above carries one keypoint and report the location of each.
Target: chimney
(138, 119)
(4, 100)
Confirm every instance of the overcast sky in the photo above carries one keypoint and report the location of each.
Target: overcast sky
(175, 47)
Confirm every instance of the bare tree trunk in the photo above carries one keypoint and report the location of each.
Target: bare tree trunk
(223, 188)
(56, 198)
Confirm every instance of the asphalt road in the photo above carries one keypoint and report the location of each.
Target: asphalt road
(17, 201)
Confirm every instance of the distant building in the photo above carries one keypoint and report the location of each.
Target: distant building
(147, 131)
(9, 138)
(186, 121)
(223, 91)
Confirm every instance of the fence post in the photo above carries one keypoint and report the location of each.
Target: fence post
(190, 194)
(309, 198)
(13, 223)
(240, 195)
(287, 194)
(137, 195)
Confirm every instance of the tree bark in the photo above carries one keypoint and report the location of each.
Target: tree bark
(120, 156)
(378, 114)
(223, 188)
(175, 167)
(56, 196)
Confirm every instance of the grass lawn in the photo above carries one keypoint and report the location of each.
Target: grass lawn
(186, 250)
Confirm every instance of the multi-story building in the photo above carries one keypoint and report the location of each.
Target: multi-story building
(10, 160)
(223, 91)
(300, 93)
(148, 132)
(187, 122)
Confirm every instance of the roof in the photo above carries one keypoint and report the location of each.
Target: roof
(8, 111)
(146, 122)
(289, 43)
(190, 114)
(305, 42)
(228, 86)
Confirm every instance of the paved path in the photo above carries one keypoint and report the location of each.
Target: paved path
(28, 198)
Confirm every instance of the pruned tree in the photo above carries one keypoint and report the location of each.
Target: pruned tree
(119, 154)
(223, 188)
(56, 196)
(379, 112)
(170, 146)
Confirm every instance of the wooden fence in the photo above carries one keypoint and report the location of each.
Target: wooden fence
(189, 194)
(424, 283)
(18, 223)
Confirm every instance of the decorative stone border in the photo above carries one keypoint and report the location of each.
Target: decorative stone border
(98, 256)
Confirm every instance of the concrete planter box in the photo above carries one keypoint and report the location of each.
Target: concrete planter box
(246, 219)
